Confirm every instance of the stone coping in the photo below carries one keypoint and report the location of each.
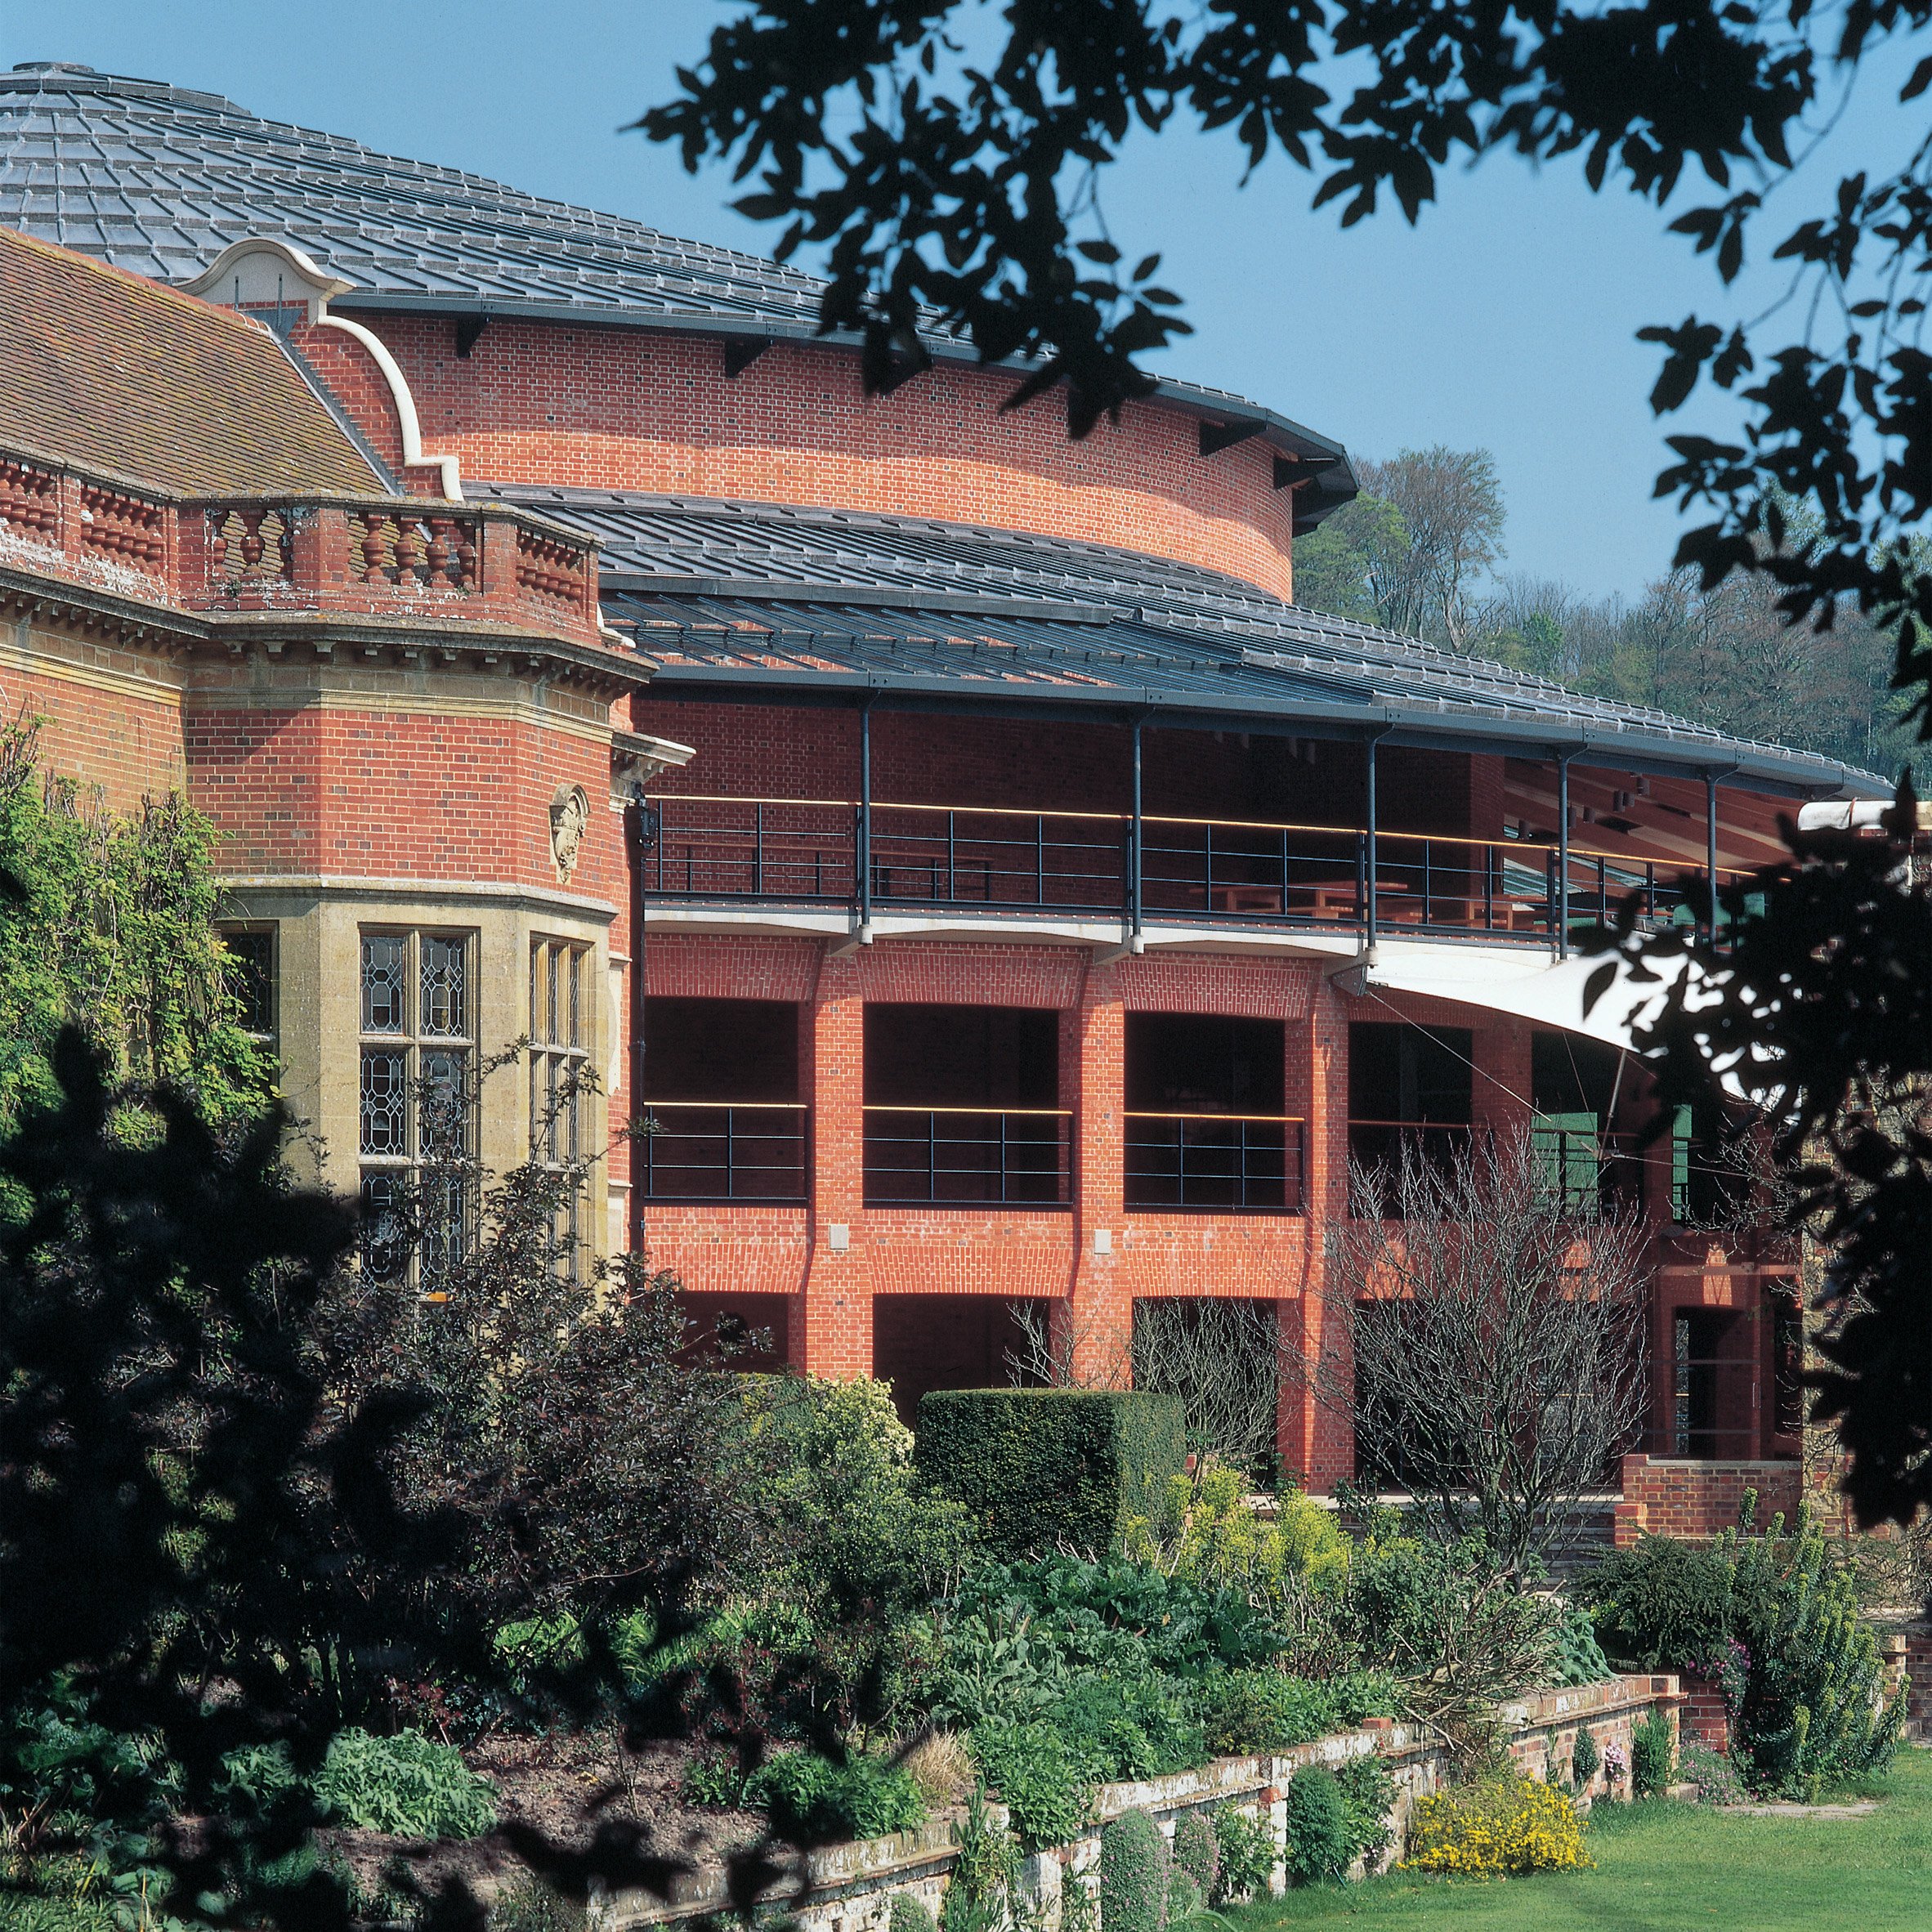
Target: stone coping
(905, 1858)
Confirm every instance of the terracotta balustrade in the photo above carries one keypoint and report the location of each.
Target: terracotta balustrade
(482, 563)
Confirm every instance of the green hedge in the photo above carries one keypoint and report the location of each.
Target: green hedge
(1038, 1467)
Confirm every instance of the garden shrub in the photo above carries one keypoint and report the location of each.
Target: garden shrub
(857, 1522)
(408, 1786)
(1247, 1855)
(1367, 1787)
(908, 1915)
(1359, 1694)
(811, 1797)
(1197, 1851)
(1318, 1843)
(1653, 1755)
(1128, 1727)
(1222, 1541)
(1576, 1655)
(1812, 1714)
(1264, 1711)
(1661, 1603)
(1505, 1824)
(1713, 1778)
(1133, 1869)
(1045, 1786)
(986, 1869)
(1585, 1760)
(1037, 1469)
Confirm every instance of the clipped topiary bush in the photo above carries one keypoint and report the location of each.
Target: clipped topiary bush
(1198, 1851)
(1040, 1468)
(1319, 1845)
(909, 1915)
(1133, 1871)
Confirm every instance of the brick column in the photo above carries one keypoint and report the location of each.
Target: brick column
(831, 1335)
(1314, 1439)
(1093, 1068)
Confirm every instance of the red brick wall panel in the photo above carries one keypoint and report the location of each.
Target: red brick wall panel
(612, 408)
(383, 793)
(1672, 1496)
(130, 746)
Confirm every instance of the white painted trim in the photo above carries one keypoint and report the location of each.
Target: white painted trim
(314, 286)
(413, 454)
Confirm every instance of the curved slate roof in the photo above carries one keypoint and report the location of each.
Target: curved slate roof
(804, 601)
(160, 179)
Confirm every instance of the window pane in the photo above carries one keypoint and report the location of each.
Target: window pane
(445, 1104)
(385, 1244)
(252, 973)
(550, 1012)
(445, 1223)
(382, 977)
(445, 1005)
(385, 1088)
(576, 996)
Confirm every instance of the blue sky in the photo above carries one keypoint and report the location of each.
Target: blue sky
(1507, 319)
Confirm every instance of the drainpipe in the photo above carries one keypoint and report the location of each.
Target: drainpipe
(1563, 854)
(1368, 949)
(1711, 845)
(643, 824)
(1135, 868)
(864, 838)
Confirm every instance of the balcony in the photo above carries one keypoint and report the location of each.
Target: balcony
(1089, 865)
(959, 1156)
(403, 557)
(700, 1149)
(1238, 1163)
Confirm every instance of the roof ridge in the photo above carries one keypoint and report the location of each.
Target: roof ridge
(166, 292)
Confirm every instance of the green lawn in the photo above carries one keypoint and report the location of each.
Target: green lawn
(1666, 1867)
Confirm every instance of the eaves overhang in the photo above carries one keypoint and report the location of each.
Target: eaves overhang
(1796, 775)
(1332, 481)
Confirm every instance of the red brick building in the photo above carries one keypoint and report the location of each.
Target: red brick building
(1013, 897)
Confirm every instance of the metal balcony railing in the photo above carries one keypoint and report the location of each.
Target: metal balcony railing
(969, 1157)
(701, 1150)
(1085, 865)
(1248, 1163)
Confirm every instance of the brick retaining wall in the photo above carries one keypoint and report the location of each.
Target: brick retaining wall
(850, 1888)
(1668, 1496)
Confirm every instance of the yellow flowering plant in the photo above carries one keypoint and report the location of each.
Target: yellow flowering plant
(1506, 1824)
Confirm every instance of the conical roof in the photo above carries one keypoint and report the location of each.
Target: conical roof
(160, 179)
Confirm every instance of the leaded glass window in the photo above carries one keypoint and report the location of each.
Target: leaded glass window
(385, 975)
(417, 1101)
(561, 990)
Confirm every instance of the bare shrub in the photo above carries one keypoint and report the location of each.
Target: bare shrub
(1497, 1321)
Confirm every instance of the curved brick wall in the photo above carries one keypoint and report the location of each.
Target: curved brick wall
(636, 409)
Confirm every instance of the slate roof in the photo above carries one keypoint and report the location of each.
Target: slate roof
(160, 179)
(105, 371)
(816, 601)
